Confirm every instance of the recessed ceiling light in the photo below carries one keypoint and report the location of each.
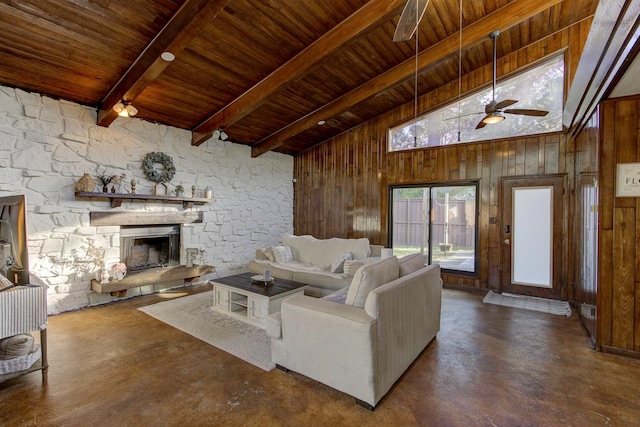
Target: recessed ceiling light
(167, 56)
(321, 122)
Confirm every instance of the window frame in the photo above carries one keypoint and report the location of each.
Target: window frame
(429, 256)
(474, 93)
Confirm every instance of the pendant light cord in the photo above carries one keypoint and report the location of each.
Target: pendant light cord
(415, 86)
(460, 73)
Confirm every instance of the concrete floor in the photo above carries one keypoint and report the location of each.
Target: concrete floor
(489, 366)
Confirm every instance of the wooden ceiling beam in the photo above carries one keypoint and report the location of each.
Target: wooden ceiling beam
(366, 17)
(502, 19)
(185, 24)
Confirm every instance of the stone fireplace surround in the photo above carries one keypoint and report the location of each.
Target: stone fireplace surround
(150, 246)
(143, 224)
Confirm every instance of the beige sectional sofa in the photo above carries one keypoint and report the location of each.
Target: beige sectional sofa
(390, 313)
(315, 262)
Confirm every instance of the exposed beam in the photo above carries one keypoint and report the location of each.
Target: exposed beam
(502, 19)
(364, 18)
(187, 22)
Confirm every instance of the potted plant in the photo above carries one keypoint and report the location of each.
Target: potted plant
(105, 180)
(179, 190)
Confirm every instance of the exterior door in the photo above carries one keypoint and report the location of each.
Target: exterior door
(532, 237)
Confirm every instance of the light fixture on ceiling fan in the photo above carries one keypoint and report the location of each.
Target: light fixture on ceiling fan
(125, 109)
(494, 110)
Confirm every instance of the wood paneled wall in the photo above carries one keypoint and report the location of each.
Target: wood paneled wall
(342, 185)
(618, 308)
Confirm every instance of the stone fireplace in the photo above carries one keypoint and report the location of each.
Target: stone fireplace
(149, 246)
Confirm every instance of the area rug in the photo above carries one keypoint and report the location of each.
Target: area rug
(529, 303)
(193, 314)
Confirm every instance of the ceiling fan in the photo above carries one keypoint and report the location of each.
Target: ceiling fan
(409, 19)
(494, 110)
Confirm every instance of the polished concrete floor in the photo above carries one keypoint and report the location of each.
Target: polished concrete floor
(489, 366)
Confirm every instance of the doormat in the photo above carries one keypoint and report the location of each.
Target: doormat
(529, 303)
(193, 314)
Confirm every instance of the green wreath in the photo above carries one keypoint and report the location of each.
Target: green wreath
(155, 174)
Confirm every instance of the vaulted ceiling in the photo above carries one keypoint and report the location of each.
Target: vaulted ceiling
(265, 71)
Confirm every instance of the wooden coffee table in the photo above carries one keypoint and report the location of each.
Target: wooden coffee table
(251, 302)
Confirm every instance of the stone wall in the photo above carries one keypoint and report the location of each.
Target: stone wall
(46, 145)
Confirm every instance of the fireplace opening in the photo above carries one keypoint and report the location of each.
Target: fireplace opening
(149, 247)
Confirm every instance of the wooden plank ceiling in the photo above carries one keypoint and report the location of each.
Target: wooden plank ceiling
(265, 71)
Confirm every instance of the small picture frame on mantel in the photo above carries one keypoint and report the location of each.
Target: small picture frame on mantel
(628, 180)
(161, 189)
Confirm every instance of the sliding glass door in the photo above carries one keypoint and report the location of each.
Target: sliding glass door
(438, 221)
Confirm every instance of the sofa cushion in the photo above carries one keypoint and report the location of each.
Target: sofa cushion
(411, 263)
(16, 346)
(268, 253)
(337, 266)
(369, 277)
(282, 254)
(310, 250)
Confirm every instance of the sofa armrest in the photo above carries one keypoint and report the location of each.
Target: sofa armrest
(408, 313)
(328, 342)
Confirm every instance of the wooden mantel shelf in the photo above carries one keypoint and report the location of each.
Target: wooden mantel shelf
(152, 277)
(117, 198)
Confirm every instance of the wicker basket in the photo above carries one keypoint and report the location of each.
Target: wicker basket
(86, 183)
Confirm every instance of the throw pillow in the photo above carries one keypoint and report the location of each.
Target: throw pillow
(268, 252)
(16, 346)
(282, 254)
(337, 266)
(411, 263)
(369, 277)
(4, 282)
(347, 267)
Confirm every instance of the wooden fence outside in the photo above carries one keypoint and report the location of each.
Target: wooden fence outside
(410, 227)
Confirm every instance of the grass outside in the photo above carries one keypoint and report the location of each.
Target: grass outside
(458, 258)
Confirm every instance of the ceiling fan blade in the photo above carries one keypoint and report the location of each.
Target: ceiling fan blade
(526, 112)
(482, 123)
(504, 104)
(408, 23)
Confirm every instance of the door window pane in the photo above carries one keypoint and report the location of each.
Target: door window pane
(532, 248)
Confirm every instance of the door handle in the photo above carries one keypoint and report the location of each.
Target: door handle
(507, 241)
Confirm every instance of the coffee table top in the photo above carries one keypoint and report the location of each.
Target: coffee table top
(243, 281)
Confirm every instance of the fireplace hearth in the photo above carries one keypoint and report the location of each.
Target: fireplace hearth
(149, 247)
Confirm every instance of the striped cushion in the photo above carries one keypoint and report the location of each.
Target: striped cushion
(282, 254)
(337, 266)
(268, 252)
(15, 346)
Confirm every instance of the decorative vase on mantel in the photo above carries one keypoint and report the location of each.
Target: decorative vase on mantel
(86, 184)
